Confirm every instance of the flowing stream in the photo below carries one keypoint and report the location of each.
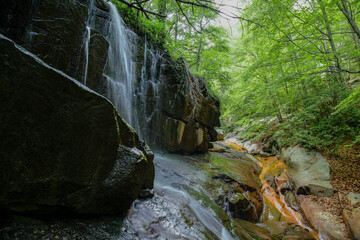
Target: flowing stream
(185, 206)
(178, 210)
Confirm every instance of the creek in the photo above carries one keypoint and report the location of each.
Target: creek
(196, 197)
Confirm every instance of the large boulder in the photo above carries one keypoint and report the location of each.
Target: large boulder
(309, 170)
(63, 147)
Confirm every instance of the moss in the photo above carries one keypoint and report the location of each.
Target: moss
(117, 124)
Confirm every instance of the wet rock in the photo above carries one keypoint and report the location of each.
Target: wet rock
(98, 49)
(240, 170)
(352, 221)
(217, 147)
(270, 213)
(249, 231)
(178, 136)
(224, 177)
(323, 222)
(101, 5)
(146, 193)
(283, 230)
(287, 186)
(177, 109)
(309, 170)
(244, 206)
(220, 135)
(63, 148)
(277, 229)
(297, 233)
(15, 18)
(291, 201)
(235, 144)
(251, 147)
(60, 26)
(213, 134)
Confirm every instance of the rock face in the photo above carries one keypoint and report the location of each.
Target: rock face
(56, 31)
(184, 124)
(63, 147)
(309, 170)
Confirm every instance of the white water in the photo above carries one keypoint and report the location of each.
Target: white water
(38, 60)
(120, 69)
(148, 95)
(175, 212)
(135, 97)
(206, 217)
(87, 41)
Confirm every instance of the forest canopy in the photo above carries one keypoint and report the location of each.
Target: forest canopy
(291, 73)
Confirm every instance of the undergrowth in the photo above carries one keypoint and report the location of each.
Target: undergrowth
(307, 128)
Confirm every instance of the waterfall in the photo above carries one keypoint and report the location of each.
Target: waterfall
(87, 41)
(148, 94)
(120, 70)
(136, 97)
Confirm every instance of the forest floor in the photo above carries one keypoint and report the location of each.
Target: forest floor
(344, 177)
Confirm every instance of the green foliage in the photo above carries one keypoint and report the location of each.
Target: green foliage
(292, 67)
(152, 27)
(193, 38)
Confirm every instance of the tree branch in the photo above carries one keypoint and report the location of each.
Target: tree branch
(132, 5)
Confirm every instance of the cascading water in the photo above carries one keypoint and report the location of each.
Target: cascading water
(120, 70)
(87, 41)
(87, 38)
(136, 97)
(148, 94)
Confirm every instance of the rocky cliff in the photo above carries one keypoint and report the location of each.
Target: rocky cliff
(73, 36)
(64, 147)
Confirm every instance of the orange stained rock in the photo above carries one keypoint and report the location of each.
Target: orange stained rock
(273, 165)
(235, 146)
(214, 149)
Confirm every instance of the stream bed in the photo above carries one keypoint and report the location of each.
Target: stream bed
(207, 196)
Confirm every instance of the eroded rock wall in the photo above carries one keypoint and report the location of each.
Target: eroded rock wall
(56, 31)
(182, 129)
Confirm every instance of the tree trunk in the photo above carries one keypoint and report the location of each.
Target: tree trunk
(339, 76)
(198, 58)
(343, 6)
